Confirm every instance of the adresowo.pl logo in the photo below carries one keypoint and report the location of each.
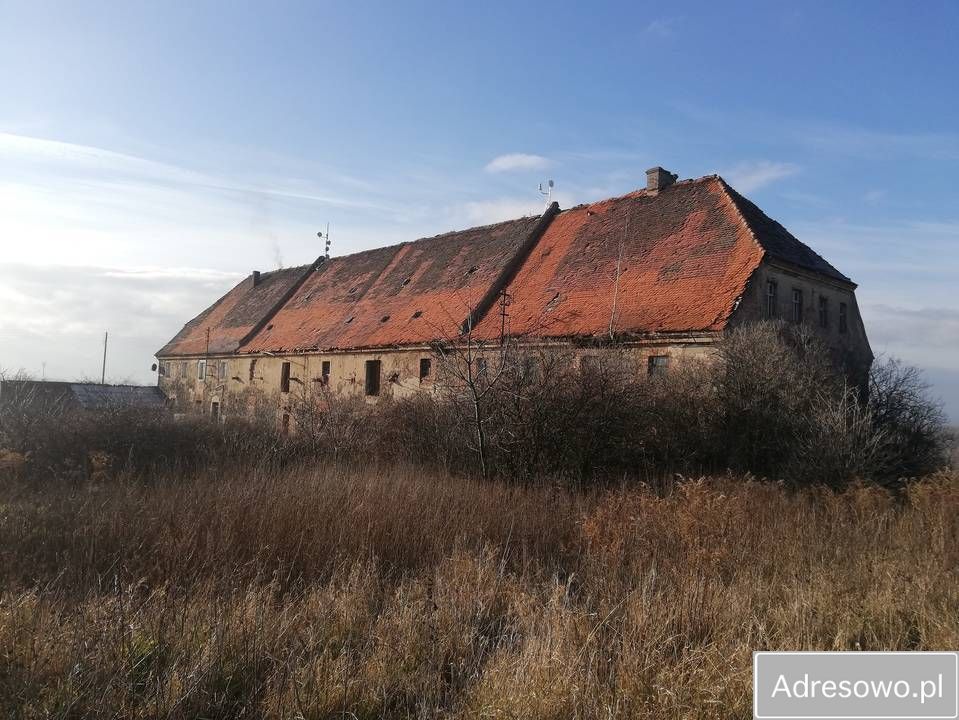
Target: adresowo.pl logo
(860, 685)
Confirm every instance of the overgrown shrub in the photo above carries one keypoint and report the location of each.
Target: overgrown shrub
(768, 402)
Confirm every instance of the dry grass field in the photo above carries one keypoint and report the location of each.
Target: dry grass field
(317, 592)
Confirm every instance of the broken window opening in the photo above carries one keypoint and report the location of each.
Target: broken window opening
(325, 372)
(215, 411)
(373, 377)
(285, 377)
(823, 311)
(426, 366)
(657, 364)
(772, 301)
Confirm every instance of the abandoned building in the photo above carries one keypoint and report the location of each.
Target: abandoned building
(662, 271)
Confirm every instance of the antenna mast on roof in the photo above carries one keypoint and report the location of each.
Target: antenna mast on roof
(548, 192)
(326, 237)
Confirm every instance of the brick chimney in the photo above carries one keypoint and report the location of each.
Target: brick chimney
(657, 178)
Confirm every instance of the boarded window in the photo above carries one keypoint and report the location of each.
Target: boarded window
(372, 377)
(843, 318)
(797, 305)
(823, 312)
(658, 364)
(426, 366)
(772, 299)
(201, 369)
(325, 372)
(285, 377)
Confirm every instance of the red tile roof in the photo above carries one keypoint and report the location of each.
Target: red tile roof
(236, 315)
(405, 294)
(684, 256)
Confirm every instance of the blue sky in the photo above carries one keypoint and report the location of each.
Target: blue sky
(152, 153)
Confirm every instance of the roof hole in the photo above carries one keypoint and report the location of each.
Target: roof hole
(417, 314)
(407, 281)
(384, 318)
(472, 270)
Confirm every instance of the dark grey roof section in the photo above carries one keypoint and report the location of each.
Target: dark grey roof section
(82, 396)
(781, 244)
(109, 397)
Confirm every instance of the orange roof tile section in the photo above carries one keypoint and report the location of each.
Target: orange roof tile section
(231, 318)
(406, 294)
(673, 261)
(664, 262)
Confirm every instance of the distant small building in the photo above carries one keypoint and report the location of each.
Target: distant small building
(662, 272)
(55, 397)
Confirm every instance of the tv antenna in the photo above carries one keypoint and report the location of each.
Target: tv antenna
(325, 237)
(548, 192)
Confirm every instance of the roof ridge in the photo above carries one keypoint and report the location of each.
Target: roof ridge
(747, 208)
(728, 194)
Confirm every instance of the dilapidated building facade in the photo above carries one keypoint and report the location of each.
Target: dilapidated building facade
(662, 271)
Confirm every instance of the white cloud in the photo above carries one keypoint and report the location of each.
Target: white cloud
(57, 314)
(751, 176)
(513, 162)
(485, 212)
(663, 27)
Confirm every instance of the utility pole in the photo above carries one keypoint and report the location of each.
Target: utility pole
(103, 374)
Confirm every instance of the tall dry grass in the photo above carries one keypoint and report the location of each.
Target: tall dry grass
(321, 592)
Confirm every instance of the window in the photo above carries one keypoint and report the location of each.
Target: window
(797, 305)
(372, 377)
(481, 366)
(843, 318)
(285, 377)
(426, 365)
(771, 299)
(658, 364)
(223, 371)
(823, 311)
(325, 372)
(201, 369)
(215, 411)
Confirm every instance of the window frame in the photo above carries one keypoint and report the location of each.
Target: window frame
(325, 368)
(824, 312)
(201, 369)
(223, 370)
(843, 318)
(372, 382)
(798, 302)
(772, 298)
(285, 370)
(657, 365)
